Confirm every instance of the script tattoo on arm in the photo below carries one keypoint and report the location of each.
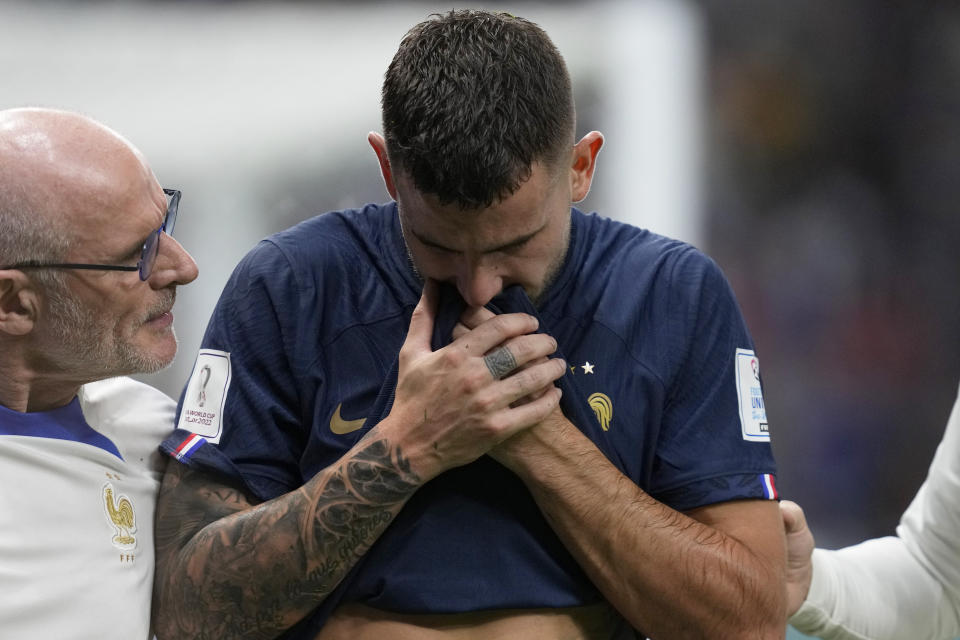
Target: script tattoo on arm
(228, 567)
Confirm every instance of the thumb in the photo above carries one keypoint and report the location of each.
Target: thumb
(800, 546)
(793, 518)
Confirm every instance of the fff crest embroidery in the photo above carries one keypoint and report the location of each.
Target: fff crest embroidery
(120, 514)
(603, 408)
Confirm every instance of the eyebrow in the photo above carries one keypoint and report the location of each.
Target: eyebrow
(513, 244)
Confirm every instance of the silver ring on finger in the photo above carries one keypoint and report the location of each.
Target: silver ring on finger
(500, 362)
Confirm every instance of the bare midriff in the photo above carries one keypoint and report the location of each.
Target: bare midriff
(357, 622)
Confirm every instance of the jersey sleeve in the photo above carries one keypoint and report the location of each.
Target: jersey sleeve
(238, 413)
(714, 444)
(930, 525)
(875, 590)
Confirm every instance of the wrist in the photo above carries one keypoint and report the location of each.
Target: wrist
(420, 455)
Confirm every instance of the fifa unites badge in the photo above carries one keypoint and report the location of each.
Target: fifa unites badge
(120, 514)
(753, 411)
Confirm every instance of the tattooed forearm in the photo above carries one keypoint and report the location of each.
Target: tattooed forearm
(228, 569)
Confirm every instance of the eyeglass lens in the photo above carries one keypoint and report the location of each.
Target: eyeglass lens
(151, 248)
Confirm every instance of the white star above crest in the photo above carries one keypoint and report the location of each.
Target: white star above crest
(587, 367)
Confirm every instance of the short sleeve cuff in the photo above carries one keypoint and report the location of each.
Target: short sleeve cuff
(744, 486)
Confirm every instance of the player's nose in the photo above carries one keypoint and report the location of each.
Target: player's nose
(478, 283)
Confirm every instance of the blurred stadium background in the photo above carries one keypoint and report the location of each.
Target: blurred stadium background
(811, 148)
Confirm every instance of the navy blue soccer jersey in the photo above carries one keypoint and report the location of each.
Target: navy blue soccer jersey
(306, 334)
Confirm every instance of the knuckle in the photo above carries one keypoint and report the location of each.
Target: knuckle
(545, 404)
(500, 431)
(492, 427)
(450, 358)
(540, 373)
(500, 323)
(530, 347)
(524, 381)
(419, 312)
(405, 357)
(511, 323)
(483, 405)
(475, 380)
(522, 348)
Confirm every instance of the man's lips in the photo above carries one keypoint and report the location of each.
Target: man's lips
(160, 320)
(162, 316)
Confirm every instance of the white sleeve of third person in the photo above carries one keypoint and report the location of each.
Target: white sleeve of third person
(897, 587)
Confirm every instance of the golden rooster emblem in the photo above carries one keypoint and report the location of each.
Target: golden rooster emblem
(121, 516)
(603, 408)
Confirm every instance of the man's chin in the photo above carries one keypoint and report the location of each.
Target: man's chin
(155, 356)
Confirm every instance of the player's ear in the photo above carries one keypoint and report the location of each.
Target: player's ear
(19, 303)
(583, 164)
(380, 148)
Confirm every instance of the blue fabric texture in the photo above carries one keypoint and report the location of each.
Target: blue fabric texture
(313, 319)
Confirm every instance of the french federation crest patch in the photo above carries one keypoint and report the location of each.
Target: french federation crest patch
(206, 394)
(753, 412)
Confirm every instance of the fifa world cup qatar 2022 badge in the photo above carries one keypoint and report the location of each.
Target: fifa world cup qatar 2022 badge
(206, 394)
(753, 412)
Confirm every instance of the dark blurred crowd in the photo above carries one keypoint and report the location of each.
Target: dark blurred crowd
(834, 149)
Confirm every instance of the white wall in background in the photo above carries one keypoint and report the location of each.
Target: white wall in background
(226, 100)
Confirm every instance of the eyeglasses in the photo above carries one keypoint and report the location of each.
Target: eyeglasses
(148, 255)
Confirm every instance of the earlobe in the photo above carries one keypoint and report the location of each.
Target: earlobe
(380, 148)
(19, 304)
(583, 164)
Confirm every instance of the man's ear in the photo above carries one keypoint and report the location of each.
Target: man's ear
(583, 164)
(19, 303)
(380, 148)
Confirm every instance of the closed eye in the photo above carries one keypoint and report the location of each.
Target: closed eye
(438, 248)
(513, 245)
(516, 244)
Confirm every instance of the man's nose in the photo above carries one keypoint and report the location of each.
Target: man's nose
(478, 283)
(173, 266)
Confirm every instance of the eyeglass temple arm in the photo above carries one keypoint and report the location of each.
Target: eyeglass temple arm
(72, 265)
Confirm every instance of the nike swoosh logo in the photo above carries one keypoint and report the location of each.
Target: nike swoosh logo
(340, 426)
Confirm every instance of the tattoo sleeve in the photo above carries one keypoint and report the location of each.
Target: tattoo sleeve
(230, 568)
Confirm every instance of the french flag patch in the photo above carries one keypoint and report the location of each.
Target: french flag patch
(769, 488)
(188, 447)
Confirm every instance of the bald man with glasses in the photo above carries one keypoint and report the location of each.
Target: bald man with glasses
(88, 273)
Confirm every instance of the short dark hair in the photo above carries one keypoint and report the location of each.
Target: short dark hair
(471, 100)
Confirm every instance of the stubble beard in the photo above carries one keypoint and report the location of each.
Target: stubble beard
(96, 348)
